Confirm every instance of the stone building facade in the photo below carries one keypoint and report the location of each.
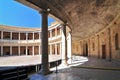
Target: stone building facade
(16, 41)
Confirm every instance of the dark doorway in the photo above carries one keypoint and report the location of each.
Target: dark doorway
(103, 51)
(85, 51)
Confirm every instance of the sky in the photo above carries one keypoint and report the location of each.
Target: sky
(13, 13)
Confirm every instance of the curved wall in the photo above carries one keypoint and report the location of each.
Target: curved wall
(105, 44)
(26, 41)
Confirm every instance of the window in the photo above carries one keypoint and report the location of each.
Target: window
(116, 42)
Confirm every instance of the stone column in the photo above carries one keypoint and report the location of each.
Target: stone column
(10, 35)
(69, 55)
(44, 43)
(33, 36)
(55, 48)
(110, 50)
(1, 50)
(64, 46)
(19, 50)
(19, 36)
(11, 50)
(26, 36)
(50, 49)
(2, 35)
(33, 50)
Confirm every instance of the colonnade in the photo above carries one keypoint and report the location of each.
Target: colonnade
(42, 35)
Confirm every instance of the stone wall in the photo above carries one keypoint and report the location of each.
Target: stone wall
(102, 42)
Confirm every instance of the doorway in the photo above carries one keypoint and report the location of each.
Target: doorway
(85, 50)
(103, 51)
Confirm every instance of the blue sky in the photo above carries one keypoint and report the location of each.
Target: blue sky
(13, 13)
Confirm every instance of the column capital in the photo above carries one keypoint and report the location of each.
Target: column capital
(44, 11)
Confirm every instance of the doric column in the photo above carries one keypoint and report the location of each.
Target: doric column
(10, 35)
(11, 50)
(50, 49)
(55, 48)
(110, 50)
(64, 46)
(44, 43)
(19, 50)
(26, 50)
(33, 50)
(1, 50)
(69, 55)
(33, 36)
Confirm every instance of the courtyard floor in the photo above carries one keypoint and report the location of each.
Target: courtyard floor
(24, 60)
(83, 68)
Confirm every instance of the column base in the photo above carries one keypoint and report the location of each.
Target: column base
(44, 72)
(69, 61)
(64, 63)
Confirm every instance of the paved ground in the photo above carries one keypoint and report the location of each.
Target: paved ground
(24, 60)
(85, 69)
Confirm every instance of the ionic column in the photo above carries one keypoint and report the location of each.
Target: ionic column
(19, 35)
(26, 50)
(10, 35)
(11, 50)
(33, 50)
(1, 50)
(56, 49)
(19, 50)
(50, 49)
(51, 33)
(64, 46)
(33, 36)
(69, 55)
(44, 43)
(1, 34)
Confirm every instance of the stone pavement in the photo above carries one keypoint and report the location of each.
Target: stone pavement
(80, 72)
